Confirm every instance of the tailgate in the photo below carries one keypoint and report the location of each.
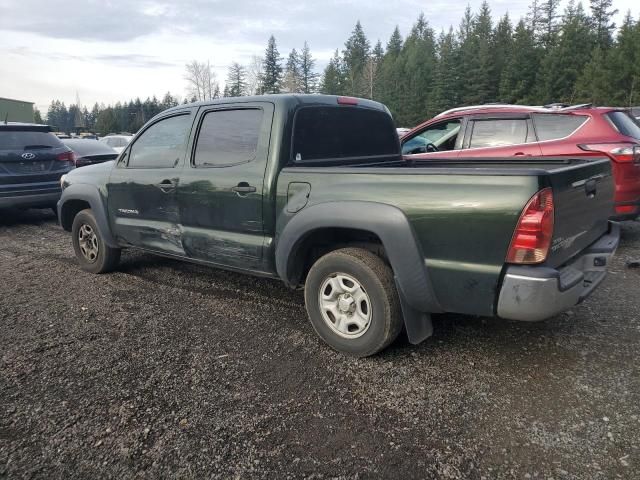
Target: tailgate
(583, 200)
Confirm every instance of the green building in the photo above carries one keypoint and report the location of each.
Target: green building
(16, 110)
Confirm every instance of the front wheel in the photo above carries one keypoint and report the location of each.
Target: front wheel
(352, 301)
(92, 252)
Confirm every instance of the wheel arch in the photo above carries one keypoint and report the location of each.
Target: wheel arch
(77, 197)
(384, 222)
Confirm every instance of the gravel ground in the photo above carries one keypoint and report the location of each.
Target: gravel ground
(169, 369)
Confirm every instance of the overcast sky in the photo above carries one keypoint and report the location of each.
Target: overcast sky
(110, 50)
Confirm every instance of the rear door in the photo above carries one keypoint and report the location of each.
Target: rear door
(31, 161)
(221, 190)
(501, 135)
(142, 189)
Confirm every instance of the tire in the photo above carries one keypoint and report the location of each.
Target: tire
(368, 324)
(93, 254)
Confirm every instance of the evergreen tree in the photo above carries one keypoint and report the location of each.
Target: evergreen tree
(355, 55)
(518, 80)
(625, 61)
(502, 48)
(236, 85)
(333, 81)
(446, 85)
(564, 63)
(549, 22)
(292, 82)
(418, 58)
(272, 69)
(308, 76)
(601, 16)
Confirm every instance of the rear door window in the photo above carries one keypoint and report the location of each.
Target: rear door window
(498, 132)
(343, 132)
(228, 137)
(553, 126)
(625, 124)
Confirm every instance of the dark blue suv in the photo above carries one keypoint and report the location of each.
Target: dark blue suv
(32, 160)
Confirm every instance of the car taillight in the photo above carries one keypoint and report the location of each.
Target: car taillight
(66, 156)
(532, 237)
(622, 152)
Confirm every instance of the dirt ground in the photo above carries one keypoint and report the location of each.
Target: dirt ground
(169, 369)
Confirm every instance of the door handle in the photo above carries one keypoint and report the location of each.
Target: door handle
(167, 186)
(520, 154)
(243, 188)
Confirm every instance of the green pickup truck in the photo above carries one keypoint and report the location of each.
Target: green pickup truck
(313, 190)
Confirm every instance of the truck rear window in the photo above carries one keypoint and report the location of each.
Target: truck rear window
(17, 140)
(625, 124)
(341, 133)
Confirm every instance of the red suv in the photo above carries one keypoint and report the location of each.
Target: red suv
(553, 131)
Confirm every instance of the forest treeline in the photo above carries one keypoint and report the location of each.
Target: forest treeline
(574, 56)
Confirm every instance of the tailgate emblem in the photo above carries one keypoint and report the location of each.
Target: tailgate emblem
(28, 156)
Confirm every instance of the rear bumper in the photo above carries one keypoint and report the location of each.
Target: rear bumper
(533, 293)
(31, 200)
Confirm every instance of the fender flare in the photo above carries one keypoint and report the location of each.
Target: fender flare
(390, 224)
(91, 195)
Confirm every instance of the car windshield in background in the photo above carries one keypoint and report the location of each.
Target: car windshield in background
(625, 124)
(13, 140)
(552, 126)
(332, 133)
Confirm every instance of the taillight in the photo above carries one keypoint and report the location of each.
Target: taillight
(622, 152)
(532, 237)
(66, 156)
(347, 101)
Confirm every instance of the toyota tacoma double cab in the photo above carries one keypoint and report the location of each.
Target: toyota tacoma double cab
(313, 190)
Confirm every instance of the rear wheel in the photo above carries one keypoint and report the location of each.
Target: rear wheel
(92, 252)
(352, 301)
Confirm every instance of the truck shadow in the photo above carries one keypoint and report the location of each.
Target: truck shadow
(33, 216)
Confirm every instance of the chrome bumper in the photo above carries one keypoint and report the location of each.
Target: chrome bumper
(535, 293)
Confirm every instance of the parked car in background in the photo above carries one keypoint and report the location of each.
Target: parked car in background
(313, 189)
(402, 131)
(32, 160)
(498, 131)
(61, 135)
(635, 111)
(117, 142)
(89, 153)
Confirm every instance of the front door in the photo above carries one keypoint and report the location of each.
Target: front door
(142, 189)
(220, 195)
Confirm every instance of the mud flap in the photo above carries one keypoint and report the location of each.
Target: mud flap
(418, 324)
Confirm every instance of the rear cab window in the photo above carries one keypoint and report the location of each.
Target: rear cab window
(625, 124)
(554, 126)
(343, 134)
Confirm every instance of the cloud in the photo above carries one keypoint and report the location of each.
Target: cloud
(127, 60)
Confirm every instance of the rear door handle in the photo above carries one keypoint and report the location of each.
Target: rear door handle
(243, 188)
(167, 186)
(521, 154)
